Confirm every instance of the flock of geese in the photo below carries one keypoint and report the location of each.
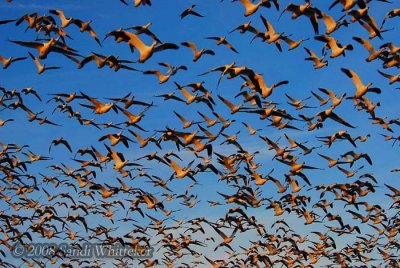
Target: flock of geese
(197, 192)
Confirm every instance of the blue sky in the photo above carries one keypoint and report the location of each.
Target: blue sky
(220, 18)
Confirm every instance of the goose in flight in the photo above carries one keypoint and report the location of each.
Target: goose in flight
(186, 123)
(42, 67)
(45, 48)
(322, 116)
(293, 44)
(147, 51)
(361, 89)
(144, 29)
(271, 36)
(180, 172)
(143, 142)
(62, 141)
(251, 130)
(296, 167)
(226, 239)
(304, 10)
(7, 61)
(332, 162)
(331, 24)
(318, 61)
(392, 78)
(245, 28)
(112, 61)
(233, 108)
(190, 11)
(210, 122)
(361, 15)
(98, 107)
(251, 8)
(373, 53)
(85, 27)
(222, 41)
(172, 70)
(189, 97)
(197, 53)
(333, 45)
(163, 78)
(298, 104)
(119, 160)
(321, 100)
(64, 21)
(335, 100)
(260, 86)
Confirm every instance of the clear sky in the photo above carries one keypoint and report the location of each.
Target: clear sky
(220, 17)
